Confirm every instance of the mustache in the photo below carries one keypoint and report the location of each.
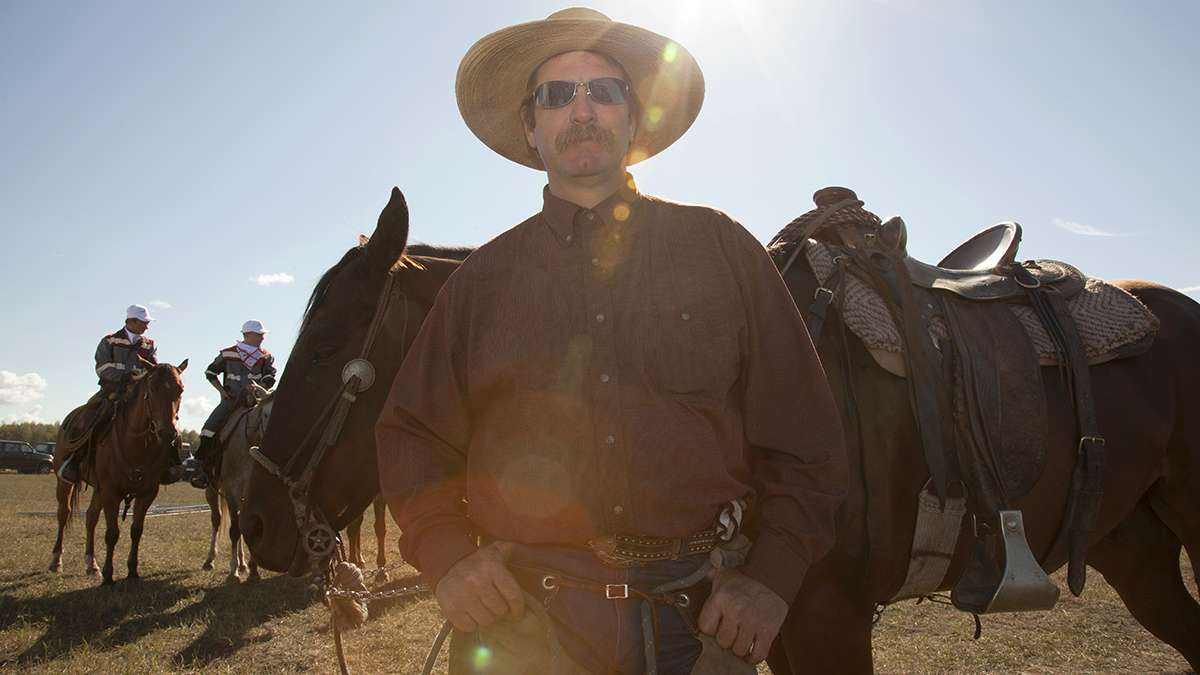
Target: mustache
(579, 134)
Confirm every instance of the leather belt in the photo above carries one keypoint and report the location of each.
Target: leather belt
(626, 550)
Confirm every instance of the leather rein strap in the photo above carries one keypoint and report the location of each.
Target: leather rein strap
(317, 536)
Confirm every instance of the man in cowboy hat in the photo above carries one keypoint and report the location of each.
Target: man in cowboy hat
(600, 391)
(120, 357)
(239, 366)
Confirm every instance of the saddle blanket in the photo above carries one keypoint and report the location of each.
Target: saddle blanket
(1111, 322)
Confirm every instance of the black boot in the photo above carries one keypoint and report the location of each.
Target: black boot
(69, 471)
(200, 479)
(174, 470)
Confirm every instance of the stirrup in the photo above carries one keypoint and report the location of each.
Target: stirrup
(1022, 586)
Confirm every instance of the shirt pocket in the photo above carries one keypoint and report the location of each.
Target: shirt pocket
(693, 337)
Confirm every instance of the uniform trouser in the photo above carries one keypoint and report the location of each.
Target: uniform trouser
(598, 635)
(216, 419)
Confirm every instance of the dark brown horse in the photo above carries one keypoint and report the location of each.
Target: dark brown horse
(1148, 412)
(127, 462)
(353, 298)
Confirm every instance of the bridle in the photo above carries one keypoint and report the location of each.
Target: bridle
(317, 536)
(154, 429)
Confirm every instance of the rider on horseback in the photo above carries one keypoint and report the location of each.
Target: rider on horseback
(119, 357)
(240, 365)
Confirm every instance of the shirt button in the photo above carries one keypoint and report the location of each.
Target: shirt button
(567, 238)
(685, 316)
(599, 318)
(610, 440)
(618, 510)
(595, 262)
(604, 378)
(590, 216)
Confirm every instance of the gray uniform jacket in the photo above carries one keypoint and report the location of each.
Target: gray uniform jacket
(229, 367)
(116, 356)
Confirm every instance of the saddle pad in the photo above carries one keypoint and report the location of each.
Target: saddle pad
(1111, 322)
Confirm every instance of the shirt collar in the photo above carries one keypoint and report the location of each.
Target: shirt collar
(134, 338)
(247, 348)
(562, 216)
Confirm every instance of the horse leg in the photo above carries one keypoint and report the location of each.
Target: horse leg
(354, 534)
(827, 630)
(381, 575)
(214, 513)
(112, 533)
(235, 543)
(140, 506)
(65, 492)
(1140, 559)
(89, 548)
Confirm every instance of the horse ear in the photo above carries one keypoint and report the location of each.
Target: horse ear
(391, 234)
(183, 366)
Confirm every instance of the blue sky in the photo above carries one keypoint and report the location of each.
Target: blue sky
(173, 153)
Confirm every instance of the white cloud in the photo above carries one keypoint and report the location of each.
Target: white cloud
(34, 414)
(272, 279)
(16, 388)
(1086, 230)
(1189, 289)
(198, 406)
(160, 304)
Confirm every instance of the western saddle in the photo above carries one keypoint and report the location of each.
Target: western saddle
(957, 383)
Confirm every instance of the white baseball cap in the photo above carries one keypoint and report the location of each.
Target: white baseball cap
(254, 326)
(138, 312)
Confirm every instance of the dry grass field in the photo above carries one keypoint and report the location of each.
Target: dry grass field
(181, 618)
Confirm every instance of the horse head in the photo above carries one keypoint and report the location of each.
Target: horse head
(360, 319)
(156, 392)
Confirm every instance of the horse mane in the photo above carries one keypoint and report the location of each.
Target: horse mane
(325, 282)
(445, 252)
(424, 250)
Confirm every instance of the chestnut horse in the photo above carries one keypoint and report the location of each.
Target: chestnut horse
(1148, 412)
(127, 462)
(344, 306)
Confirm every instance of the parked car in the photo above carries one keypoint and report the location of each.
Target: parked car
(20, 456)
(190, 465)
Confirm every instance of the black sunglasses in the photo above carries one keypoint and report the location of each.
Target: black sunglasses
(557, 93)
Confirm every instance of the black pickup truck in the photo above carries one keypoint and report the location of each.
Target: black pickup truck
(20, 456)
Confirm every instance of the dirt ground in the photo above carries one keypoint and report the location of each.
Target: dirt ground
(179, 617)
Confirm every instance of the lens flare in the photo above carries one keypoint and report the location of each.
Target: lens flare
(481, 659)
(621, 212)
(670, 52)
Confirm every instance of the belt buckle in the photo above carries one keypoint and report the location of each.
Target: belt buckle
(616, 591)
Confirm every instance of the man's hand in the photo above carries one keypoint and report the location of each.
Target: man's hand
(479, 589)
(743, 615)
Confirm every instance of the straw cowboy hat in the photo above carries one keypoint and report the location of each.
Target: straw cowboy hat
(494, 75)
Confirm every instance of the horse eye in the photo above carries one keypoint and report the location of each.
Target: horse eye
(323, 354)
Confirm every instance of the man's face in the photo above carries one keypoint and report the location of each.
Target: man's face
(136, 326)
(582, 138)
(252, 339)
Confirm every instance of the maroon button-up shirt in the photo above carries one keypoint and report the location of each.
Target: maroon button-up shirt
(623, 369)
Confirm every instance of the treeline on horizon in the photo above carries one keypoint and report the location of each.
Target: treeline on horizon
(42, 432)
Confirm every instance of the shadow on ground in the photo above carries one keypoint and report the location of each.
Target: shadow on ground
(111, 617)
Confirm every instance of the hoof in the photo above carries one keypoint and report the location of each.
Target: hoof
(91, 571)
(133, 576)
(233, 579)
(55, 567)
(242, 570)
(382, 577)
(107, 581)
(208, 565)
(254, 576)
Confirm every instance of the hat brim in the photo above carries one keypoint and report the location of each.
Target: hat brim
(493, 77)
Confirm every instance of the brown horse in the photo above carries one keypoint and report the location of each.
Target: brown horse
(1143, 403)
(382, 284)
(126, 465)
(1149, 412)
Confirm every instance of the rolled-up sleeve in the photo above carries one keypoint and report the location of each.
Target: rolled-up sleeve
(792, 425)
(422, 437)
